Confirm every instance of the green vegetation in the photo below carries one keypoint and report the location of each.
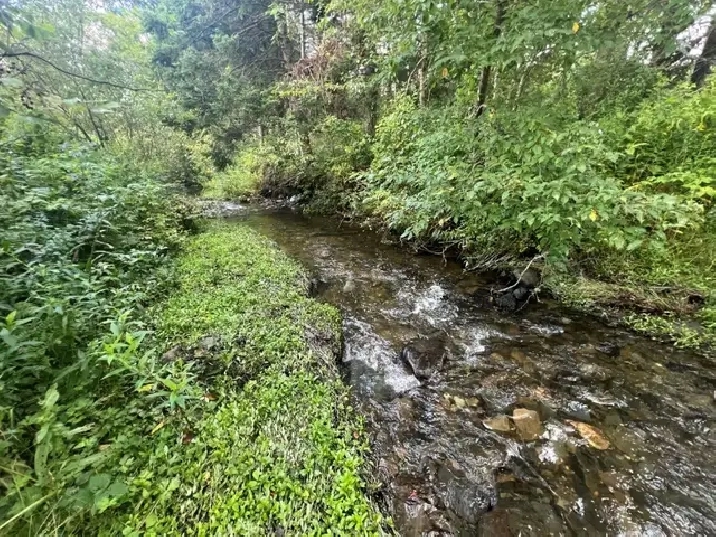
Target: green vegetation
(580, 132)
(141, 394)
(265, 439)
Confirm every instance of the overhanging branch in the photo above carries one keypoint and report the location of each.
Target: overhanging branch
(70, 73)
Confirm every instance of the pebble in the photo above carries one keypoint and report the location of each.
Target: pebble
(527, 423)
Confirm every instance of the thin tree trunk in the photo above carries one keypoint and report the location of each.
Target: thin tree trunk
(303, 31)
(484, 86)
(703, 65)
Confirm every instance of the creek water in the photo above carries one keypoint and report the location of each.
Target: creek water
(450, 462)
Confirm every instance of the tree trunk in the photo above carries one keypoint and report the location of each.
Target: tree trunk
(484, 86)
(284, 41)
(703, 65)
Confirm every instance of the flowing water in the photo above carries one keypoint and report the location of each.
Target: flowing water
(451, 463)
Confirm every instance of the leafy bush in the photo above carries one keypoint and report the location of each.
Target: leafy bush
(84, 242)
(669, 142)
(244, 177)
(511, 184)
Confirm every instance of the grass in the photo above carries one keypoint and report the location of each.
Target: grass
(269, 444)
(667, 293)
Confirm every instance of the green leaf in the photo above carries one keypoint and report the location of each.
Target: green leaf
(11, 82)
(99, 482)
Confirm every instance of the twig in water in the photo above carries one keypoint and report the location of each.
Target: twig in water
(541, 256)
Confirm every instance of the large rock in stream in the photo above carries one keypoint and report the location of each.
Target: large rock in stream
(424, 357)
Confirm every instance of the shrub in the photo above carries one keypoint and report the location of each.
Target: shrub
(512, 183)
(84, 242)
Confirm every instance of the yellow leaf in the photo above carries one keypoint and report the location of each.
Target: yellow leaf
(575, 27)
(146, 388)
(445, 72)
(594, 215)
(157, 427)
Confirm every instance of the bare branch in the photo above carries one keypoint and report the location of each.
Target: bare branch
(74, 75)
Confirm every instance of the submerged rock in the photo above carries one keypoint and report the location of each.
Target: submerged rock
(591, 434)
(424, 357)
(501, 424)
(349, 286)
(527, 423)
(610, 349)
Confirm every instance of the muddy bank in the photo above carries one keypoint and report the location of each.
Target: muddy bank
(484, 422)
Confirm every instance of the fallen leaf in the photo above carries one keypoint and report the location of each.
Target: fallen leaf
(591, 434)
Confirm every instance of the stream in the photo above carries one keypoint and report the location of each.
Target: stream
(544, 422)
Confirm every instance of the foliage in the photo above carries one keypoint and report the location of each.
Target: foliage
(243, 178)
(273, 443)
(84, 242)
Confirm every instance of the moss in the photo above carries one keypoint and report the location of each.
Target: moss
(664, 311)
(273, 445)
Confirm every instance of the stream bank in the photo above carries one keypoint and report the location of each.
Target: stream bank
(265, 441)
(490, 423)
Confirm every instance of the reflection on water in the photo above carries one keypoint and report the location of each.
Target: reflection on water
(620, 439)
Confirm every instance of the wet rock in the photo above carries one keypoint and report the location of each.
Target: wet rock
(506, 302)
(594, 372)
(530, 278)
(466, 498)
(540, 406)
(473, 402)
(520, 293)
(424, 357)
(524, 362)
(496, 523)
(578, 411)
(501, 424)
(592, 435)
(349, 286)
(415, 515)
(610, 349)
(527, 423)
(316, 286)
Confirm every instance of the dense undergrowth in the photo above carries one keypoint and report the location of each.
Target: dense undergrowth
(569, 133)
(620, 207)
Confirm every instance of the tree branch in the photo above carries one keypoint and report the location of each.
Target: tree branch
(70, 73)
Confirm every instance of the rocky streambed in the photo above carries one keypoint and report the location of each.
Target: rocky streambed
(487, 423)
